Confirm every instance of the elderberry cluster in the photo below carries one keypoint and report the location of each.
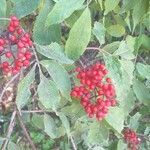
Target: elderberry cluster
(131, 139)
(96, 91)
(15, 46)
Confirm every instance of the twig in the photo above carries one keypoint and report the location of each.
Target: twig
(35, 111)
(7, 85)
(10, 130)
(36, 58)
(73, 143)
(25, 131)
(99, 49)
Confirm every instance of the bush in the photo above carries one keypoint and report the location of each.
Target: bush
(75, 74)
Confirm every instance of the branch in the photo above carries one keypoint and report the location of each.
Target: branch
(35, 111)
(73, 143)
(10, 130)
(25, 131)
(99, 49)
(7, 85)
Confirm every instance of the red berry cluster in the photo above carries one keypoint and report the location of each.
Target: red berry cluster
(131, 138)
(15, 46)
(96, 91)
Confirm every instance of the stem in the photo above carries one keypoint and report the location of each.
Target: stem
(73, 143)
(35, 111)
(5, 19)
(25, 131)
(99, 49)
(37, 60)
(10, 130)
(7, 85)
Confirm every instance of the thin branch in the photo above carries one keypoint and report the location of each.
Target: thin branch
(7, 85)
(8, 19)
(36, 58)
(25, 131)
(35, 111)
(99, 49)
(10, 130)
(73, 143)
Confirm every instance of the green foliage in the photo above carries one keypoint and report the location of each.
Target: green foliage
(79, 36)
(62, 10)
(27, 7)
(45, 35)
(24, 93)
(60, 76)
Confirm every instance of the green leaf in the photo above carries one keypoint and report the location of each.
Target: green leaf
(128, 103)
(65, 122)
(79, 36)
(73, 18)
(62, 10)
(143, 70)
(97, 133)
(115, 118)
(139, 10)
(25, 7)
(110, 5)
(142, 93)
(126, 48)
(37, 121)
(124, 51)
(128, 5)
(59, 75)
(116, 30)
(134, 121)
(50, 126)
(99, 32)
(54, 51)
(115, 72)
(23, 92)
(3, 8)
(48, 93)
(112, 47)
(121, 145)
(41, 34)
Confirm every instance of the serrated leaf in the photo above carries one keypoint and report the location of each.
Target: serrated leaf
(97, 133)
(50, 126)
(110, 5)
(128, 103)
(115, 118)
(23, 8)
(41, 34)
(99, 32)
(142, 93)
(54, 51)
(143, 6)
(23, 92)
(62, 10)
(65, 122)
(59, 75)
(115, 72)
(116, 30)
(134, 121)
(112, 47)
(79, 36)
(48, 93)
(143, 70)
